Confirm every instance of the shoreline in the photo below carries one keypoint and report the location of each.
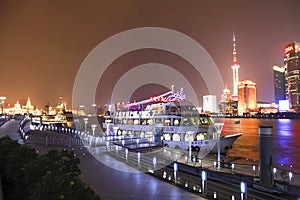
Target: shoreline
(262, 116)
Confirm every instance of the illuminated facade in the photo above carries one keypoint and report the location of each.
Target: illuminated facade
(247, 97)
(292, 62)
(235, 65)
(280, 83)
(227, 105)
(23, 109)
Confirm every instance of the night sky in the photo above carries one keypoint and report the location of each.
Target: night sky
(43, 43)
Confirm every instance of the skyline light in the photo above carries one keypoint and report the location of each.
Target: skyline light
(43, 44)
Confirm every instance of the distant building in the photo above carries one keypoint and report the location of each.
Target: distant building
(246, 97)
(267, 107)
(28, 106)
(23, 109)
(210, 104)
(226, 95)
(283, 105)
(292, 62)
(280, 83)
(227, 104)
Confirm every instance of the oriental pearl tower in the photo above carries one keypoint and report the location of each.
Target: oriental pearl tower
(235, 65)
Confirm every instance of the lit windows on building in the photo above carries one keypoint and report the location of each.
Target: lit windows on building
(280, 83)
(246, 97)
(292, 62)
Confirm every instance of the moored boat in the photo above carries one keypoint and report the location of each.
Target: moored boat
(168, 120)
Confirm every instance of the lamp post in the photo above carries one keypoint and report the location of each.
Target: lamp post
(2, 99)
(190, 137)
(85, 124)
(93, 128)
(243, 187)
(175, 172)
(204, 182)
(219, 127)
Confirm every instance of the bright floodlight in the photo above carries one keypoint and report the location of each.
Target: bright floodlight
(203, 175)
(243, 187)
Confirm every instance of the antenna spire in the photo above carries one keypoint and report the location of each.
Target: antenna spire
(234, 48)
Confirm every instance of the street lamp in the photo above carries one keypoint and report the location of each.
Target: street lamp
(243, 188)
(219, 127)
(85, 124)
(2, 99)
(93, 128)
(204, 181)
(175, 172)
(190, 138)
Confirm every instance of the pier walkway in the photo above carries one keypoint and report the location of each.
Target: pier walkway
(108, 182)
(158, 162)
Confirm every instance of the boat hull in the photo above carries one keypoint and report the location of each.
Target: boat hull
(226, 143)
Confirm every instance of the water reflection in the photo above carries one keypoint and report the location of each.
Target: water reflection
(286, 137)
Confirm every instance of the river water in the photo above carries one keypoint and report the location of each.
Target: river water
(286, 139)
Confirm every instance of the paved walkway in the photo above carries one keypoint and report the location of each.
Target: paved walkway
(11, 128)
(109, 183)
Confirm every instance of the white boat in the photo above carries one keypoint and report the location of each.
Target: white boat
(167, 120)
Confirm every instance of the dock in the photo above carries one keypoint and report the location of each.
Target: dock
(175, 167)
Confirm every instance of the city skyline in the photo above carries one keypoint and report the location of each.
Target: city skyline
(42, 45)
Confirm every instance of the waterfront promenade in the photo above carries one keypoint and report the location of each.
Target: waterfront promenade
(133, 184)
(107, 182)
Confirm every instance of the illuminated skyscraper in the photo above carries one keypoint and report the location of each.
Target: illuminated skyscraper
(292, 62)
(235, 65)
(247, 97)
(280, 83)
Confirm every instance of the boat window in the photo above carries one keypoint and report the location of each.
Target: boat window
(204, 121)
(123, 132)
(167, 122)
(129, 121)
(119, 132)
(136, 122)
(186, 122)
(176, 122)
(143, 121)
(200, 136)
(176, 137)
(167, 136)
(194, 121)
(174, 109)
(118, 121)
(149, 134)
(186, 137)
(168, 109)
(142, 135)
(157, 109)
(150, 122)
(159, 120)
(129, 133)
(136, 133)
(124, 121)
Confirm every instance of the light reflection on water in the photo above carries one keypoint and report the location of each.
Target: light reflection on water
(286, 137)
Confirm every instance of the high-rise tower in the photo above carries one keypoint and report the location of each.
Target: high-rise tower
(247, 97)
(292, 62)
(235, 65)
(280, 83)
